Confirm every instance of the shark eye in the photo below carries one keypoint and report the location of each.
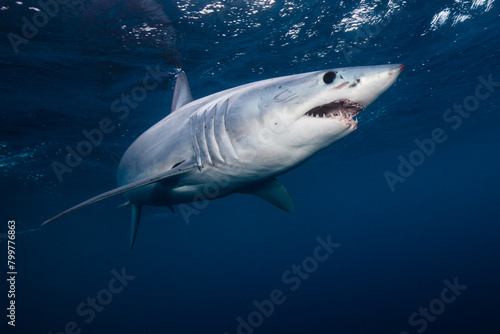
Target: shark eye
(329, 77)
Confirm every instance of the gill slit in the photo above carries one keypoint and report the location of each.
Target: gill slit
(233, 151)
(194, 140)
(217, 146)
(205, 139)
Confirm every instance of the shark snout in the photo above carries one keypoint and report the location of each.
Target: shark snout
(395, 71)
(372, 81)
(384, 71)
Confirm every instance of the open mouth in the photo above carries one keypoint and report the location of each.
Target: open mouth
(342, 108)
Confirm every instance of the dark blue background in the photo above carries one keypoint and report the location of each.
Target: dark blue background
(397, 247)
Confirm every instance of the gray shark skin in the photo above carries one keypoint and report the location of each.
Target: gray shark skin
(240, 139)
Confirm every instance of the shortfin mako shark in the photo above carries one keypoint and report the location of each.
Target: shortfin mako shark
(240, 139)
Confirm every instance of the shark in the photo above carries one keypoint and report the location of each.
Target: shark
(240, 139)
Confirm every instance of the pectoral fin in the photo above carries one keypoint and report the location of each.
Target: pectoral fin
(273, 192)
(171, 173)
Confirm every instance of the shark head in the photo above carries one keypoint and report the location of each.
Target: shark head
(288, 119)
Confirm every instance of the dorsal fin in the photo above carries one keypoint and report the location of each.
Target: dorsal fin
(182, 92)
(273, 192)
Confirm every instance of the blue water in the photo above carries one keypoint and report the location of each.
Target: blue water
(398, 245)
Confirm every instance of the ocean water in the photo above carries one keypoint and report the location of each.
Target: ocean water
(396, 228)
